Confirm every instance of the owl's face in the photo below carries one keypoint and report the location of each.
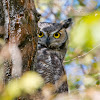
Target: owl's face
(52, 35)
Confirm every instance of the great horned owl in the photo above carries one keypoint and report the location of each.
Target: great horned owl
(52, 47)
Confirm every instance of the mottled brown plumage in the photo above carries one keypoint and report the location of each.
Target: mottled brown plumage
(52, 47)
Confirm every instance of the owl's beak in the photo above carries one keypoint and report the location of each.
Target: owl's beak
(47, 41)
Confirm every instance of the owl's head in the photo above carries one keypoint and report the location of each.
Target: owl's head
(53, 35)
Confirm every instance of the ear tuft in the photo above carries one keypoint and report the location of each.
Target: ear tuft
(66, 23)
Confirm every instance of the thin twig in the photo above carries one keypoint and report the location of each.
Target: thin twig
(82, 55)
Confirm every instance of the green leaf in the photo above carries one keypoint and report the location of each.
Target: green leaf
(86, 32)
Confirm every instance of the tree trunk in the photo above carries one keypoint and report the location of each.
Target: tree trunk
(18, 28)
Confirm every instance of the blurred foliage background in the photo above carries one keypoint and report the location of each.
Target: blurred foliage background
(82, 61)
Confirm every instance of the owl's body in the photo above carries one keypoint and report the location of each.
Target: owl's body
(50, 66)
(52, 47)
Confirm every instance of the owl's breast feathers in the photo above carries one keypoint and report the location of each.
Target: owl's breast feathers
(50, 67)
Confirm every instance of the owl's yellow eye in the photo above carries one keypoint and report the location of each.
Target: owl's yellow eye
(41, 34)
(56, 35)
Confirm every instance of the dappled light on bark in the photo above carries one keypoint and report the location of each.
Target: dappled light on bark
(18, 42)
(20, 34)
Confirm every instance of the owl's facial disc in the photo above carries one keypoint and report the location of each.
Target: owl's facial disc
(58, 38)
(55, 35)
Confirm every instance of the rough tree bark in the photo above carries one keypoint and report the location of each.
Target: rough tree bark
(18, 28)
